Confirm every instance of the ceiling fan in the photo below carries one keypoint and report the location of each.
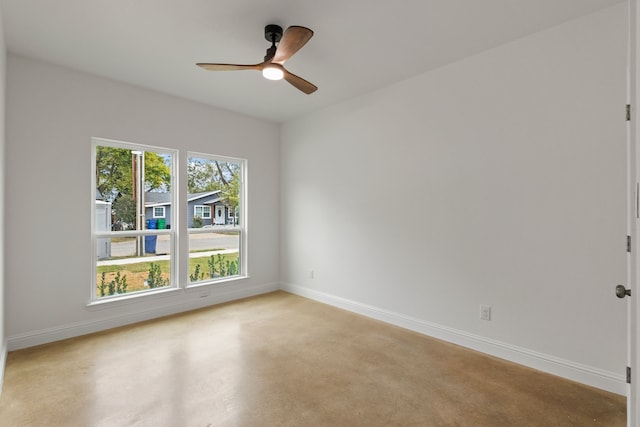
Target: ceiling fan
(272, 67)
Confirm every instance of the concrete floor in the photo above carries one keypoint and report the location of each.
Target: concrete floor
(282, 360)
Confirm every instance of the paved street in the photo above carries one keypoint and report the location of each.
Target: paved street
(197, 242)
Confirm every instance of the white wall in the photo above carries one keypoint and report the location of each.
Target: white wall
(497, 180)
(52, 113)
(3, 73)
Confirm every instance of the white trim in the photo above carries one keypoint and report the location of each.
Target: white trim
(173, 166)
(153, 212)
(70, 330)
(131, 297)
(633, 256)
(584, 374)
(243, 205)
(3, 364)
(203, 195)
(203, 208)
(133, 233)
(213, 282)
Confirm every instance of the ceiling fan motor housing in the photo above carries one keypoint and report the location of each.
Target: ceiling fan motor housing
(273, 33)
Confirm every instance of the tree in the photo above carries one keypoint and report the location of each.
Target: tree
(231, 191)
(114, 172)
(210, 175)
(124, 209)
(157, 175)
(202, 176)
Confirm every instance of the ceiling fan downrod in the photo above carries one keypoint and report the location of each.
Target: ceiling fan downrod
(273, 34)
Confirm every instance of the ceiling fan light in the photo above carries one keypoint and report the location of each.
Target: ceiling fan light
(272, 73)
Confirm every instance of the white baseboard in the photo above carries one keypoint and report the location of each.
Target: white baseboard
(609, 381)
(57, 333)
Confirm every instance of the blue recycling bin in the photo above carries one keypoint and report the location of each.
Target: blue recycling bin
(150, 244)
(150, 241)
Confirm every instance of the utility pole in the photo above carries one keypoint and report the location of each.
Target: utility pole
(137, 181)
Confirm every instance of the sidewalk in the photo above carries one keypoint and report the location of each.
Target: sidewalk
(152, 258)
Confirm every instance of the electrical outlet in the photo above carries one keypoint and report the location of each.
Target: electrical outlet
(485, 312)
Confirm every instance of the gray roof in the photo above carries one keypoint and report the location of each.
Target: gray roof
(154, 198)
(158, 199)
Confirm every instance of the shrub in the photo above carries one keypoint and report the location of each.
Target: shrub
(232, 268)
(197, 222)
(112, 285)
(155, 279)
(196, 274)
(121, 284)
(103, 284)
(211, 262)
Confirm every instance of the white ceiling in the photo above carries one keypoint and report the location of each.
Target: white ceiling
(359, 45)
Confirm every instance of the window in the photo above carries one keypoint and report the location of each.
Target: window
(202, 211)
(134, 251)
(136, 199)
(216, 249)
(158, 212)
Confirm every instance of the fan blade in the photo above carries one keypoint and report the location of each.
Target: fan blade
(229, 67)
(299, 83)
(292, 40)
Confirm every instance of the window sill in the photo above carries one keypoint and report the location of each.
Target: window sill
(131, 299)
(163, 293)
(199, 285)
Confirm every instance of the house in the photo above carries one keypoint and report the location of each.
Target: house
(206, 205)
(501, 154)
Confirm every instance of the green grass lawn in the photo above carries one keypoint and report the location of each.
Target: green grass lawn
(138, 272)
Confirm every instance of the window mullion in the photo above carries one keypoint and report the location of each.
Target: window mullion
(182, 216)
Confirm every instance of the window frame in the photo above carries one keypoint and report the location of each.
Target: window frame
(153, 211)
(174, 283)
(178, 232)
(195, 207)
(241, 226)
